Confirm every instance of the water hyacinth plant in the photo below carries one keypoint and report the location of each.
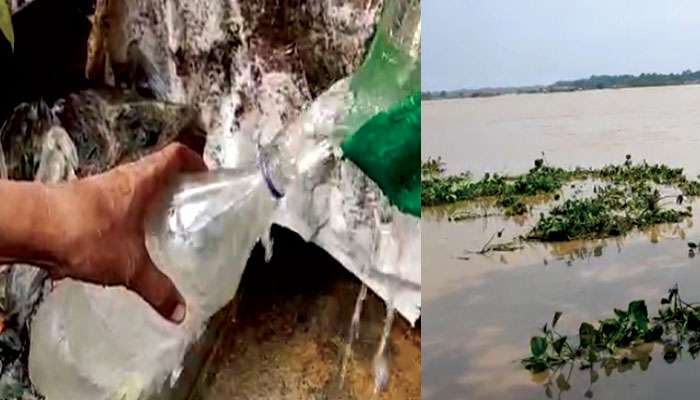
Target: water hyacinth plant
(616, 344)
(676, 327)
(628, 198)
(613, 211)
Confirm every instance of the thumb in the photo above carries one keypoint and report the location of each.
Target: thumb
(159, 291)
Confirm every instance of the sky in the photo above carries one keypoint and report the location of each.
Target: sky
(492, 43)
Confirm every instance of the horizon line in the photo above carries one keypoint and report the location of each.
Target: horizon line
(534, 85)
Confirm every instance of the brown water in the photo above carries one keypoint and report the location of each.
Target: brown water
(481, 312)
(589, 128)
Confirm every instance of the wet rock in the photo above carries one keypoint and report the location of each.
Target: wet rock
(241, 63)
(107, 128)
(110, 128)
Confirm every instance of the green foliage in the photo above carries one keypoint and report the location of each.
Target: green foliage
(629, 200)
(677, 326)
(593, 82)
(6, 23)
(619, 81)
(434, 167)
(512, 205)
(613, 211)
(541, 179)
(617, 344)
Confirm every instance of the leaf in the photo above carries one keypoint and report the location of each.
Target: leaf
(586, 334)
(588, 394)
(592, 357)
(548, 392)
(654, 334)
(610, 327)
(6, 23)
(624, 365)
(609, 365)
(644, 363)
(562, 383)
(538, 345)
(594, 376)
(558, 344)
(555, 319)
(693, 348)
(693, 323)
(535, 365)
(637, 311)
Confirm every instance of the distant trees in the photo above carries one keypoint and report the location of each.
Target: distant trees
(594, 82)
(618, 81)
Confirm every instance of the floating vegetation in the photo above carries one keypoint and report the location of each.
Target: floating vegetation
(628, 199)
(615, 342)
(438, 189)
(613, 211)
(512, 205)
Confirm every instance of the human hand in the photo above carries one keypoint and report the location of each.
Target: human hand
(104, 217)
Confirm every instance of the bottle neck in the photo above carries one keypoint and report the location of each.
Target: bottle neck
(288, 156)
(306, 142)
(269, 164)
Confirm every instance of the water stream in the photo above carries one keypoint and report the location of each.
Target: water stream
(353, 332)
(381, 362)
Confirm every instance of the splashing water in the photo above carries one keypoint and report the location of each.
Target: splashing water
(353, 333)
(380, 364)
(384, 256)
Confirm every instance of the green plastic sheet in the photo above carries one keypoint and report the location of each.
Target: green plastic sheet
(387, 149)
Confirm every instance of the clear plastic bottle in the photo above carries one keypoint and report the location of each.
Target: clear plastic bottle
(91, 342)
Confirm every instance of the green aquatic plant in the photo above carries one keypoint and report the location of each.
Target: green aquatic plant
(625, 329)
(613, 211)
(677, 327)
(627, 199)
(616, 344)
(541, 179)
(512, 205)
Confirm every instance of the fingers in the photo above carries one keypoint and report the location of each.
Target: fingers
(159, 291)
(172, 159)
(152, 173)
(181, 158)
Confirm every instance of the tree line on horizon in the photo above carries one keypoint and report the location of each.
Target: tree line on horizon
(594, 82)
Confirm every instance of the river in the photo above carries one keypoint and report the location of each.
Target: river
(481, 310)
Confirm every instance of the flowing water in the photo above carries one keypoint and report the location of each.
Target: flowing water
(353, 333)
(380, 363)
(481, 310)
(382, 248)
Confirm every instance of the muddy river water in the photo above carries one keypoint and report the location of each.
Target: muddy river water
(481, 310)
